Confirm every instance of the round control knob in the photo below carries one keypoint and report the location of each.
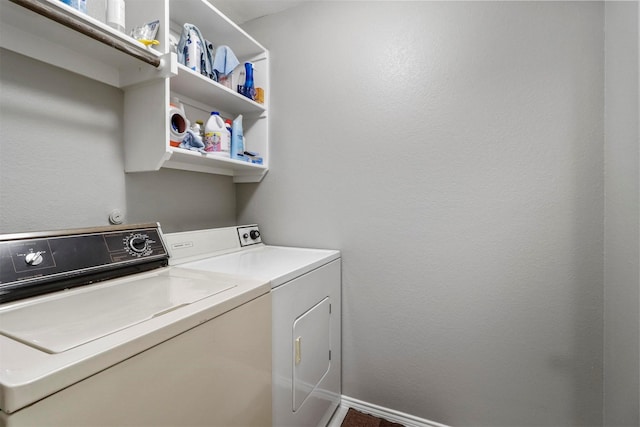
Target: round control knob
(33, 258)
(138, 244)
(254, 234)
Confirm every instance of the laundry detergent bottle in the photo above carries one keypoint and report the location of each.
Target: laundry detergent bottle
(237, 139)
(214, 130)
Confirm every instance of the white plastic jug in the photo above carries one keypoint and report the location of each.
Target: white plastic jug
(214, 131)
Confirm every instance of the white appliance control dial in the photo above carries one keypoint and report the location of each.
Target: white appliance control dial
(34, 258)
(249, 235)
(138, 245)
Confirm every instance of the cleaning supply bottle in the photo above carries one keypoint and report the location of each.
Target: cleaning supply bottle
(213, 131)
(80, 5)
(249, 88)
(193, 52)
(115, 14)
(226, 137)
(201, 124)
(237, 139)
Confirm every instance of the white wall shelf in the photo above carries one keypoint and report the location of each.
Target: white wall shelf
(204, 90)
(148, 89)
(38, 37)
(147, 147)
(212, 163)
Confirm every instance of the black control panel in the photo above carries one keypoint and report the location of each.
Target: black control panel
(38, 263)
(249, 235)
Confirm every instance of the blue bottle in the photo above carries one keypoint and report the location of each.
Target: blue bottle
(249, 89)
(80, 5)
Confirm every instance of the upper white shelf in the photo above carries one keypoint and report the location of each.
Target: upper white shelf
(31, 34)
(215, 26)
(202, 89)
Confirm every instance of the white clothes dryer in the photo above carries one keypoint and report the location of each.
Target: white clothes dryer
(306, 313)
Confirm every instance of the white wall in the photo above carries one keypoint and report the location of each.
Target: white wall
(622, 213)
(62, 164)
(453, 152)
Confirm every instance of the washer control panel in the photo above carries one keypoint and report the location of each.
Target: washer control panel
(30, 262)
(249, 235)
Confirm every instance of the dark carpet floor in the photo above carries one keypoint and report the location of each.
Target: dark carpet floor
(359, 419)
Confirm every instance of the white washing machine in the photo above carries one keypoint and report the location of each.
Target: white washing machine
(306, 312)
(97, 330)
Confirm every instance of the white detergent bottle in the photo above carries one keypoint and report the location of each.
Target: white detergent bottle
(237, 139)
(214, 130)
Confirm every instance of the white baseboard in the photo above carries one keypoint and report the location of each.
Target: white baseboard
(386, 413)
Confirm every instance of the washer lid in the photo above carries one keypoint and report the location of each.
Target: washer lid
(58, 324)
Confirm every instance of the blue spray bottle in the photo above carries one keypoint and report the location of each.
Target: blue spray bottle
(237, 139)
(249, 89)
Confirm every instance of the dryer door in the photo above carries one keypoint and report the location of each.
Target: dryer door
(311, 350)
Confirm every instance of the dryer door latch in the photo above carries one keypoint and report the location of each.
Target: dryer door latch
(298, 345)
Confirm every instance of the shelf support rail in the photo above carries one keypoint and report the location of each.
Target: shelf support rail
(83, 28)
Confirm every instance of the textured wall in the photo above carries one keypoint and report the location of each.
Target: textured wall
(622, 213)
(62, 165)
(60, 148)
(453, 152)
